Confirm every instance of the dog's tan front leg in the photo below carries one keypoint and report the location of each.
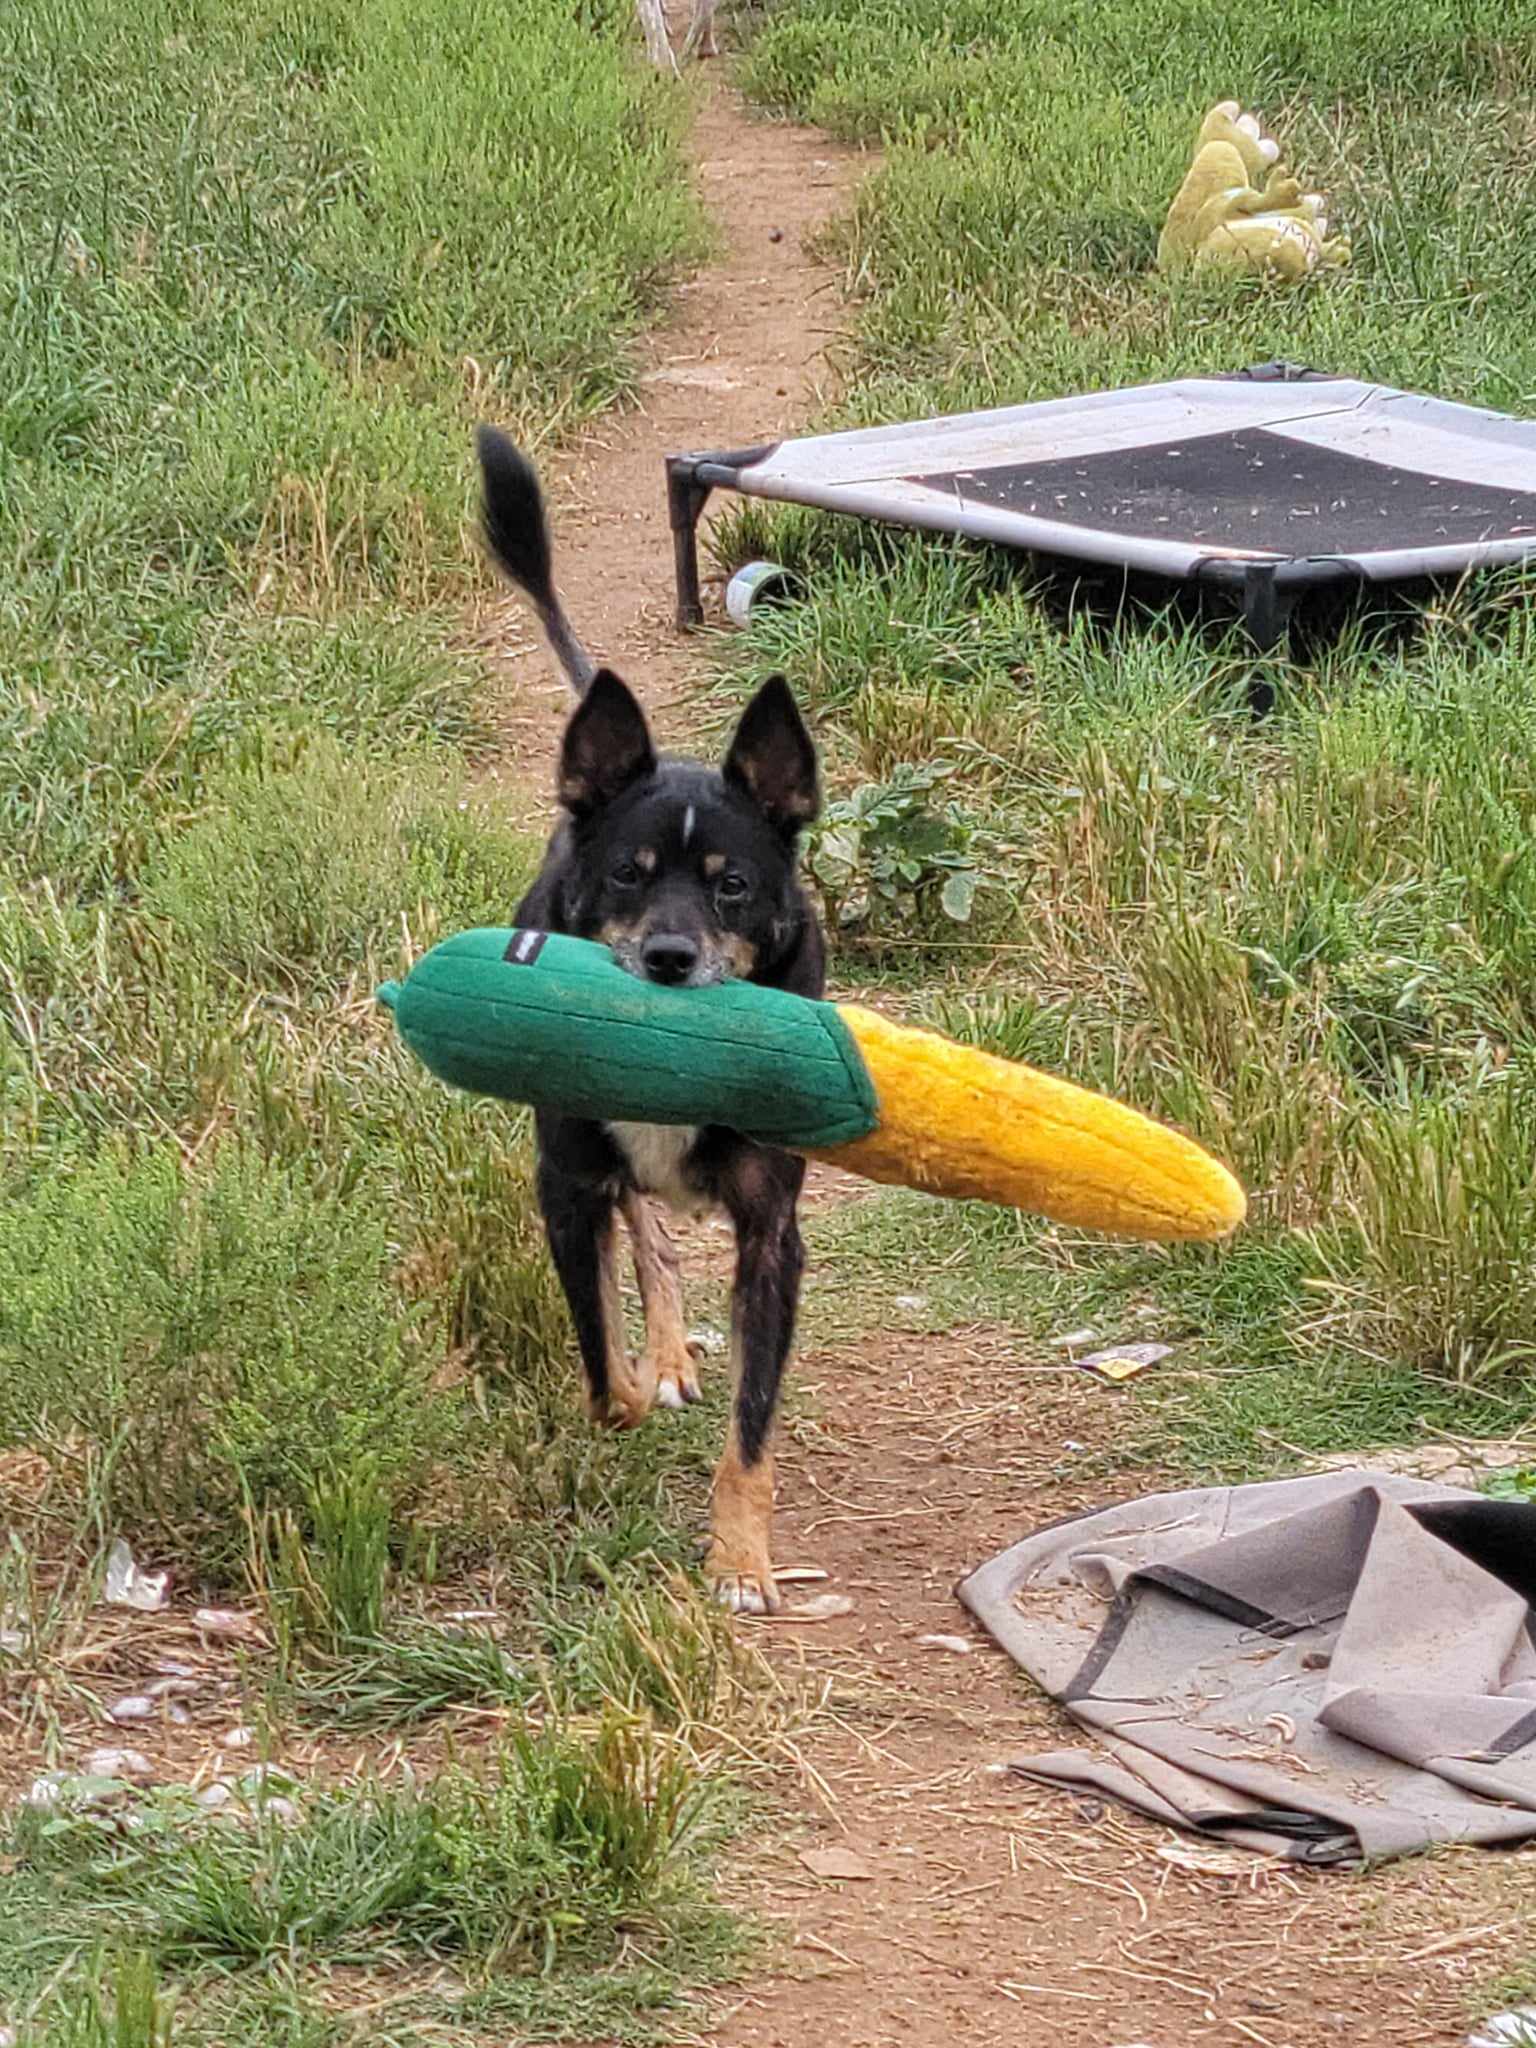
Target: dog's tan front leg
(739, 1559)
(740, 1556)
(631, 1382)
(770, 1260)
(668, 1362)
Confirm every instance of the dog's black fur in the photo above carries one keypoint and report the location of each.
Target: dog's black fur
(689, 874)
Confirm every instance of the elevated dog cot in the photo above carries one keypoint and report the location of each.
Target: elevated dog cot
(1265, 484)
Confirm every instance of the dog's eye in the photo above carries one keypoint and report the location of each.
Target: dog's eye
(733, 887)
(625, 874)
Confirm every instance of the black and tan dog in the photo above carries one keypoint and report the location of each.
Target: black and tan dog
(689, 874)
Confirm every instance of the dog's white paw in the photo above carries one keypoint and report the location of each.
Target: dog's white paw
(677, 1381)
(746, 1593)
(678, 1390)
(740, 1580)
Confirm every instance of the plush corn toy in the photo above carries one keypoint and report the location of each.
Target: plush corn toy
(556, 1023)
(1238, 210)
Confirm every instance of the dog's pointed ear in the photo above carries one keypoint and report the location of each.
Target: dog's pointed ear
(607, 746)
(773, 761)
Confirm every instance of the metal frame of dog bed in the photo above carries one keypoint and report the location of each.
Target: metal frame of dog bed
(1265, 483)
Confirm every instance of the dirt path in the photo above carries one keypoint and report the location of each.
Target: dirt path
(992, 1911)
(741, 361)
(995, 1911)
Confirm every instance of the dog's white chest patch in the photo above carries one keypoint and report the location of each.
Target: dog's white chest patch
(656, 1153)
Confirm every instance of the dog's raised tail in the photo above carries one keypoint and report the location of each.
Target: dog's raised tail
(517, 534)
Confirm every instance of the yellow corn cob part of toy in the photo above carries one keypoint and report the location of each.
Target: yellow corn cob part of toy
(955, 1121)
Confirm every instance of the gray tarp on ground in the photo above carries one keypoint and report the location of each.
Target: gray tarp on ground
(1322, 1668)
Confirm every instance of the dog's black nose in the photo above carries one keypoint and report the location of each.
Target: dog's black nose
(668, 957)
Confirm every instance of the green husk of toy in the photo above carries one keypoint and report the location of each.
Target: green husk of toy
(556, 1023)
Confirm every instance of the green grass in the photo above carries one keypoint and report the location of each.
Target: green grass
(1312, 941)
(567, 1875)
(1032, 151)
(274, 1307)
(639, 1637)
(280, 1313)
(261, 270)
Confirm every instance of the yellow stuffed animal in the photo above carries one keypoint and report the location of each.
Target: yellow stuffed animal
(1238, 210)
(1228, 123)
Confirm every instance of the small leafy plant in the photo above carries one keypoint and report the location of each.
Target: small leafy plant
(891, 852)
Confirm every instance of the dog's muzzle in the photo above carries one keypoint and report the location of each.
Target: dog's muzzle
(672, 959)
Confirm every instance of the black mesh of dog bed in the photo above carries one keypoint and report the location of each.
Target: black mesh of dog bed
(1251, 491)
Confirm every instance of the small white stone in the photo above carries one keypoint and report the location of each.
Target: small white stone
(224, 1623)
(237, 1738)
(118, 1763)
(820, 1607)
(215, 1797)
(58, 1788)
(135, 1708)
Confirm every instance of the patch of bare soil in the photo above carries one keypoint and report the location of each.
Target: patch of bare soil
(741, 361)
(988, 1910)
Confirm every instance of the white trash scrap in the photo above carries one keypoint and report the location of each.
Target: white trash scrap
(126, 1586)
(1507, 2030)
